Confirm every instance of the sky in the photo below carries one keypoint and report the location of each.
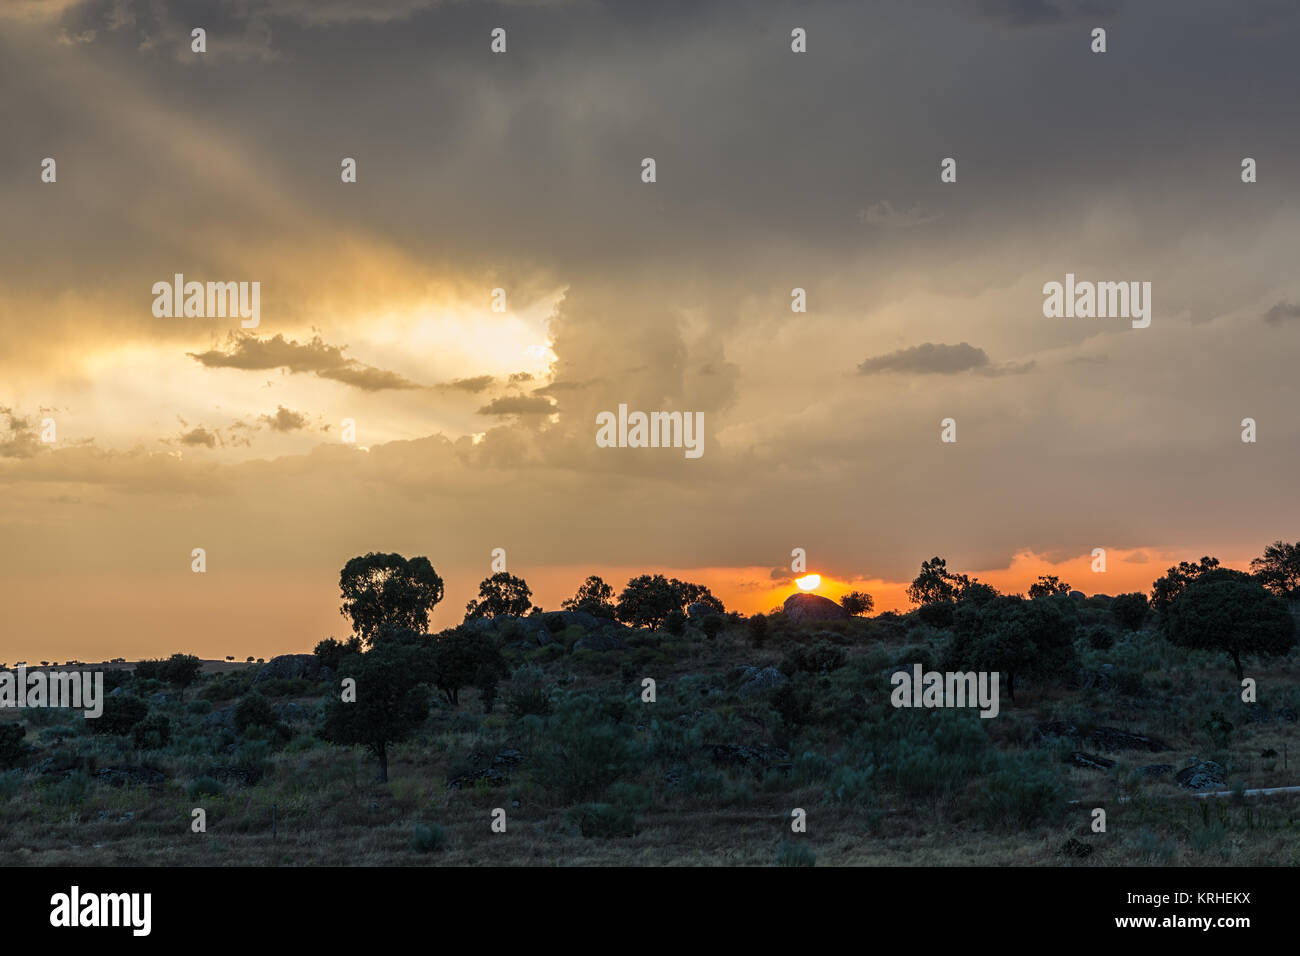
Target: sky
(522, 171)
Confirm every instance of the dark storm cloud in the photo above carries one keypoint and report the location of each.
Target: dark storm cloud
(250, 353)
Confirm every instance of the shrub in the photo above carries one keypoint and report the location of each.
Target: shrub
(120, 715)
(757, 630)
(795, 854)
(1025, 793)
(12, 748)
(152, 733)
(1100, 638)
(603, 820)
(675, 623)
(584, 753)
(430, 839)
(254, 710)
(1130, 610)
(204, 787)
(713, 625)
(817, 659)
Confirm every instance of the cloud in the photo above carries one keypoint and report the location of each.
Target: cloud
(250, 353)
(199, 436)
(1282, 312)
(519, 405)
(884, 214)
(473, 385)
(284, 420)
(19, 440)
(928, 359)
(1033, 13)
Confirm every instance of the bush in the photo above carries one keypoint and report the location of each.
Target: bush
(1100, 638)
(817, 659)
(152, 733)
(430, 839)
(1130, 610)
(603, 820)
(254, 710)
(583, 754)
(796, 854)
(713, 625)
(12, 748)
(758, 630)
(120, 715)
(204, 787)
(675, 623)
(1025, 793)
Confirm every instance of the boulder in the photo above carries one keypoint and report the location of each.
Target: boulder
(291, 666)
(120, 776)
(244, 776)
(1089, 761)
(1156, 770)
(599, 641)
(1201, 775)
(807, 608)
(755, 680)
(221, 718)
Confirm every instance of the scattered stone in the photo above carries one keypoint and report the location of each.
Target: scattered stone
(222, 717)
(1201, 775)
(599, 641)
(1076, 848)
(1103, 738)
(508, 758)
(1089, 761)
(1156, 770)
(244, 776)
(756, 680)
(120, 776)
(292, 713)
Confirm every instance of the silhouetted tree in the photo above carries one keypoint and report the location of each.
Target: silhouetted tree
(1279, 569)
(1165, 589)
(1046, 586)
(181, 670)
(391, 702)
(1015, 637)
(649, 599)
(466, 658)
(594, 597)
(500, 594)
(1130, 610)
(383, 589)
(331, 652)
(857, 602)
(1232, 612)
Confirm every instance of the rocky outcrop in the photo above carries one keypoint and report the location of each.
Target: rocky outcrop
(755, 680)
(1201, 775)
(291, 666)
(809, 608)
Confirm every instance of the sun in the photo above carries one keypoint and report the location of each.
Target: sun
(808, 582)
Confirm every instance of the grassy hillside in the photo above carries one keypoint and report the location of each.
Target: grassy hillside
(589, 773)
